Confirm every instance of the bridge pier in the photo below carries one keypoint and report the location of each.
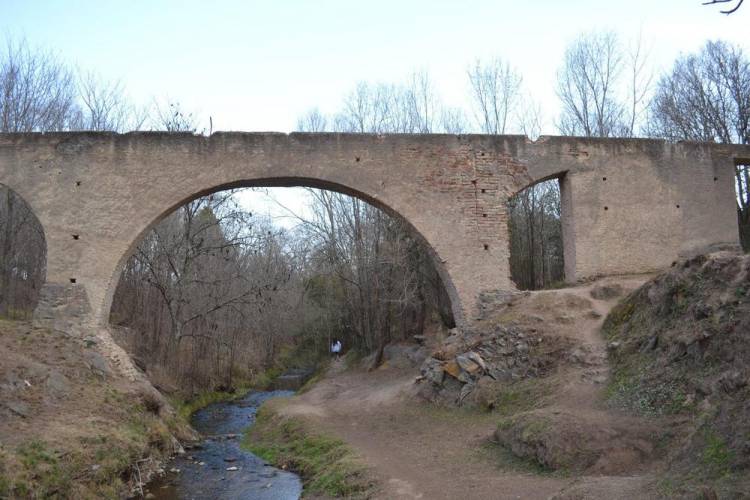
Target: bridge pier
(64, 307)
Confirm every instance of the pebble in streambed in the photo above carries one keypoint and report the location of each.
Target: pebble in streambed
(219, 468)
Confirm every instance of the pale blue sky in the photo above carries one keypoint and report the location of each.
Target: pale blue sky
(258, 65)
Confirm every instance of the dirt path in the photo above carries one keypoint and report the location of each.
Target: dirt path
(584, 383)
(420, 451)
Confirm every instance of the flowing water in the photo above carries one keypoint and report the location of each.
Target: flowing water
(218, 468)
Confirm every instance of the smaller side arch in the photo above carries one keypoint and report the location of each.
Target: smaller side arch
(23, 255)
(541, 237)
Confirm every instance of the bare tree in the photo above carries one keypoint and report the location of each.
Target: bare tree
(728, 11)
(208, 294)
(410, 108)
(360, 112)
(312, 121)
(105, 107)
(495, 89)
(603, 86)
(170, 116)
(453, 121)
(706, 97)
(376, 108)
(587, 86)
(530, 117)
(37, 90)
(422, 102)
(640, 79)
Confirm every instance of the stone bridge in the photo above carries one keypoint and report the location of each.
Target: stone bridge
(628, 206)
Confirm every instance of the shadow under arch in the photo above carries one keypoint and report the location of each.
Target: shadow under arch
(540, 232)
(275, 182)
(23, 256)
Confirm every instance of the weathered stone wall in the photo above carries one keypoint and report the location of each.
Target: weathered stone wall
(96, 194)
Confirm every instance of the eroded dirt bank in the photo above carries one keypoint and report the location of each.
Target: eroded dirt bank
(75, 422)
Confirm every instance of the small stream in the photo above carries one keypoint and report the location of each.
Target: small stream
(203, 470)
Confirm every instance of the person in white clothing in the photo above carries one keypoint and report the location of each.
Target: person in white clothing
(336, 348)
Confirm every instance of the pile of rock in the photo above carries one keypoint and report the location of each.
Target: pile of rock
(506, 353)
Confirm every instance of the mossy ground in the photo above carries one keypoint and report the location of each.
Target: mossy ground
(82, 439)
(680, 349)
(91, 465)
(327, 466)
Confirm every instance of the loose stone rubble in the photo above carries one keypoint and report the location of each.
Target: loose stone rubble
(506, 353)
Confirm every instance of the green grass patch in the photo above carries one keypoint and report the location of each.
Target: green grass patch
(717, 456)
(631, 388)
(327, 466)
(44, 474)
(40, 470)
(617, 317)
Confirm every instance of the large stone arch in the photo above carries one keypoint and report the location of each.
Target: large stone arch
(288, 182)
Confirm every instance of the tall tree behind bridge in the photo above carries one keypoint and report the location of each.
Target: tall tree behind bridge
(706, 97)
(496, 92)
(602, 86)
(602, 89)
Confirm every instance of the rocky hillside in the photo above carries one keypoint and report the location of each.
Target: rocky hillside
(679, 347)
(530, 337)
(75, 422)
